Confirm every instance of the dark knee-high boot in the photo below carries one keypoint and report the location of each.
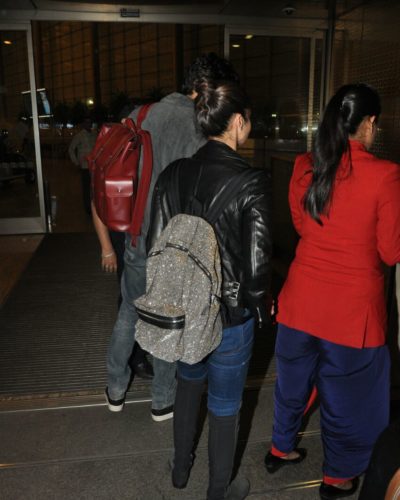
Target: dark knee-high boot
(221, 452)
(186, 411)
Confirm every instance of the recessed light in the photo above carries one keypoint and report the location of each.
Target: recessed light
(235, 45)
(7, 42)
(248, 37)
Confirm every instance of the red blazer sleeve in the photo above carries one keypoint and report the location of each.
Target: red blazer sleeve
(388, 215)
(297, 188)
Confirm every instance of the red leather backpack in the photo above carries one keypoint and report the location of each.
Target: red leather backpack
(119, 194)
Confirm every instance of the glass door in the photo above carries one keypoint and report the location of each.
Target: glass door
(21, 187)
(282, 74)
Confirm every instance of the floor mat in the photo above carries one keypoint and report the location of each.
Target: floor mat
(55, 325)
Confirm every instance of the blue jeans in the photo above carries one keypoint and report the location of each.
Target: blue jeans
(133, 285)
(226, 369)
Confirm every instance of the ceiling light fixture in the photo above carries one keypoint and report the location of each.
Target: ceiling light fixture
(235, 45)
(289, 9)
(7, 42)
(248, 37)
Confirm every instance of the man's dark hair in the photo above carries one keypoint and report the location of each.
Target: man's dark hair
(208, 68)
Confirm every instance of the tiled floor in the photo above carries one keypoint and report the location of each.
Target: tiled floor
(90, 453)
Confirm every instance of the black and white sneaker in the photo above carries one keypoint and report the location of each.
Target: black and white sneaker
(114, 404)
(164, 414)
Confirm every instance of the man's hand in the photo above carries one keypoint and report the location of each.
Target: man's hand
(109, 262)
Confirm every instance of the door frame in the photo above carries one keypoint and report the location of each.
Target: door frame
(28, 225)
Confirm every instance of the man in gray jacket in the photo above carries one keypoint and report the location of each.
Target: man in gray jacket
(174, 134)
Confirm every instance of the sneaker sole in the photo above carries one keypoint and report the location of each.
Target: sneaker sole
(114, 408)
(161, 418)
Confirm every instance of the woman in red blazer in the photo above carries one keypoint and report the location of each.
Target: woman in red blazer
(345, 205)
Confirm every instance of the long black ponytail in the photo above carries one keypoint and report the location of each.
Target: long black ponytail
(342, 117)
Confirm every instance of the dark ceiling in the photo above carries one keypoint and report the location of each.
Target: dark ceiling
(265, 8)
(300, 9)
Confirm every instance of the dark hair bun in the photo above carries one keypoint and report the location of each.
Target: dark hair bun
(216, 103)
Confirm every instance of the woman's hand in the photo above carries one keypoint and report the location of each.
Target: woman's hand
(109, 262)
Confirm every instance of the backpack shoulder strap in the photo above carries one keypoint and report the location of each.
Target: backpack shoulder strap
(194, 206)
(145, 176)
(142, 114)
(143, 186)
(174, 193)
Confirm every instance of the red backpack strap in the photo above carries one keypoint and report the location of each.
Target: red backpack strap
(145, 176)
(143, 187)
(142, 114)
(128, 122)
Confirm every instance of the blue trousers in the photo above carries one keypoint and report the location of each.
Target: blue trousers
(353, 387)
(226, 369)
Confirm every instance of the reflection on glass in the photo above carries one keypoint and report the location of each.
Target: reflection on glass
(18, 185)
(275, 73)
(43, 105)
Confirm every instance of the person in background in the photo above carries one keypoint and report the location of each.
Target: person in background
(81, 145)
(243, 236)
(382, 479)
(345, 206)
(175, 134)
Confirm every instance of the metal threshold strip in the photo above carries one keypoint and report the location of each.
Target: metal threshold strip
(70, 404)
(302, 485)
(140, 392)
(156, 451)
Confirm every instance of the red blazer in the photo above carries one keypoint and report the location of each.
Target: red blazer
(335, 285)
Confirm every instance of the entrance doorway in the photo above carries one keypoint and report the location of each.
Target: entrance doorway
(282, 73)
(21, 188)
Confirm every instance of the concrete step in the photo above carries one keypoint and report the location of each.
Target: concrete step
(91, 453)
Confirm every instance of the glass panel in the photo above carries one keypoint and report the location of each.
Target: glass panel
(18, 176)
(275, 71)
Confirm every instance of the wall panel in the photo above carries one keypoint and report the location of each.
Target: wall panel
(367, 48)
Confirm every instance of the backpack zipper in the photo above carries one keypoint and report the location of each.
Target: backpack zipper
(167, 322)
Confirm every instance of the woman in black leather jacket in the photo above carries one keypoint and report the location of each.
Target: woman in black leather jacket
(243, 236)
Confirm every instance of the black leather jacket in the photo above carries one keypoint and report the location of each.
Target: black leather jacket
(242, 229)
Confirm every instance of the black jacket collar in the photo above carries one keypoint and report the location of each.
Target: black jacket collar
(217, 149)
